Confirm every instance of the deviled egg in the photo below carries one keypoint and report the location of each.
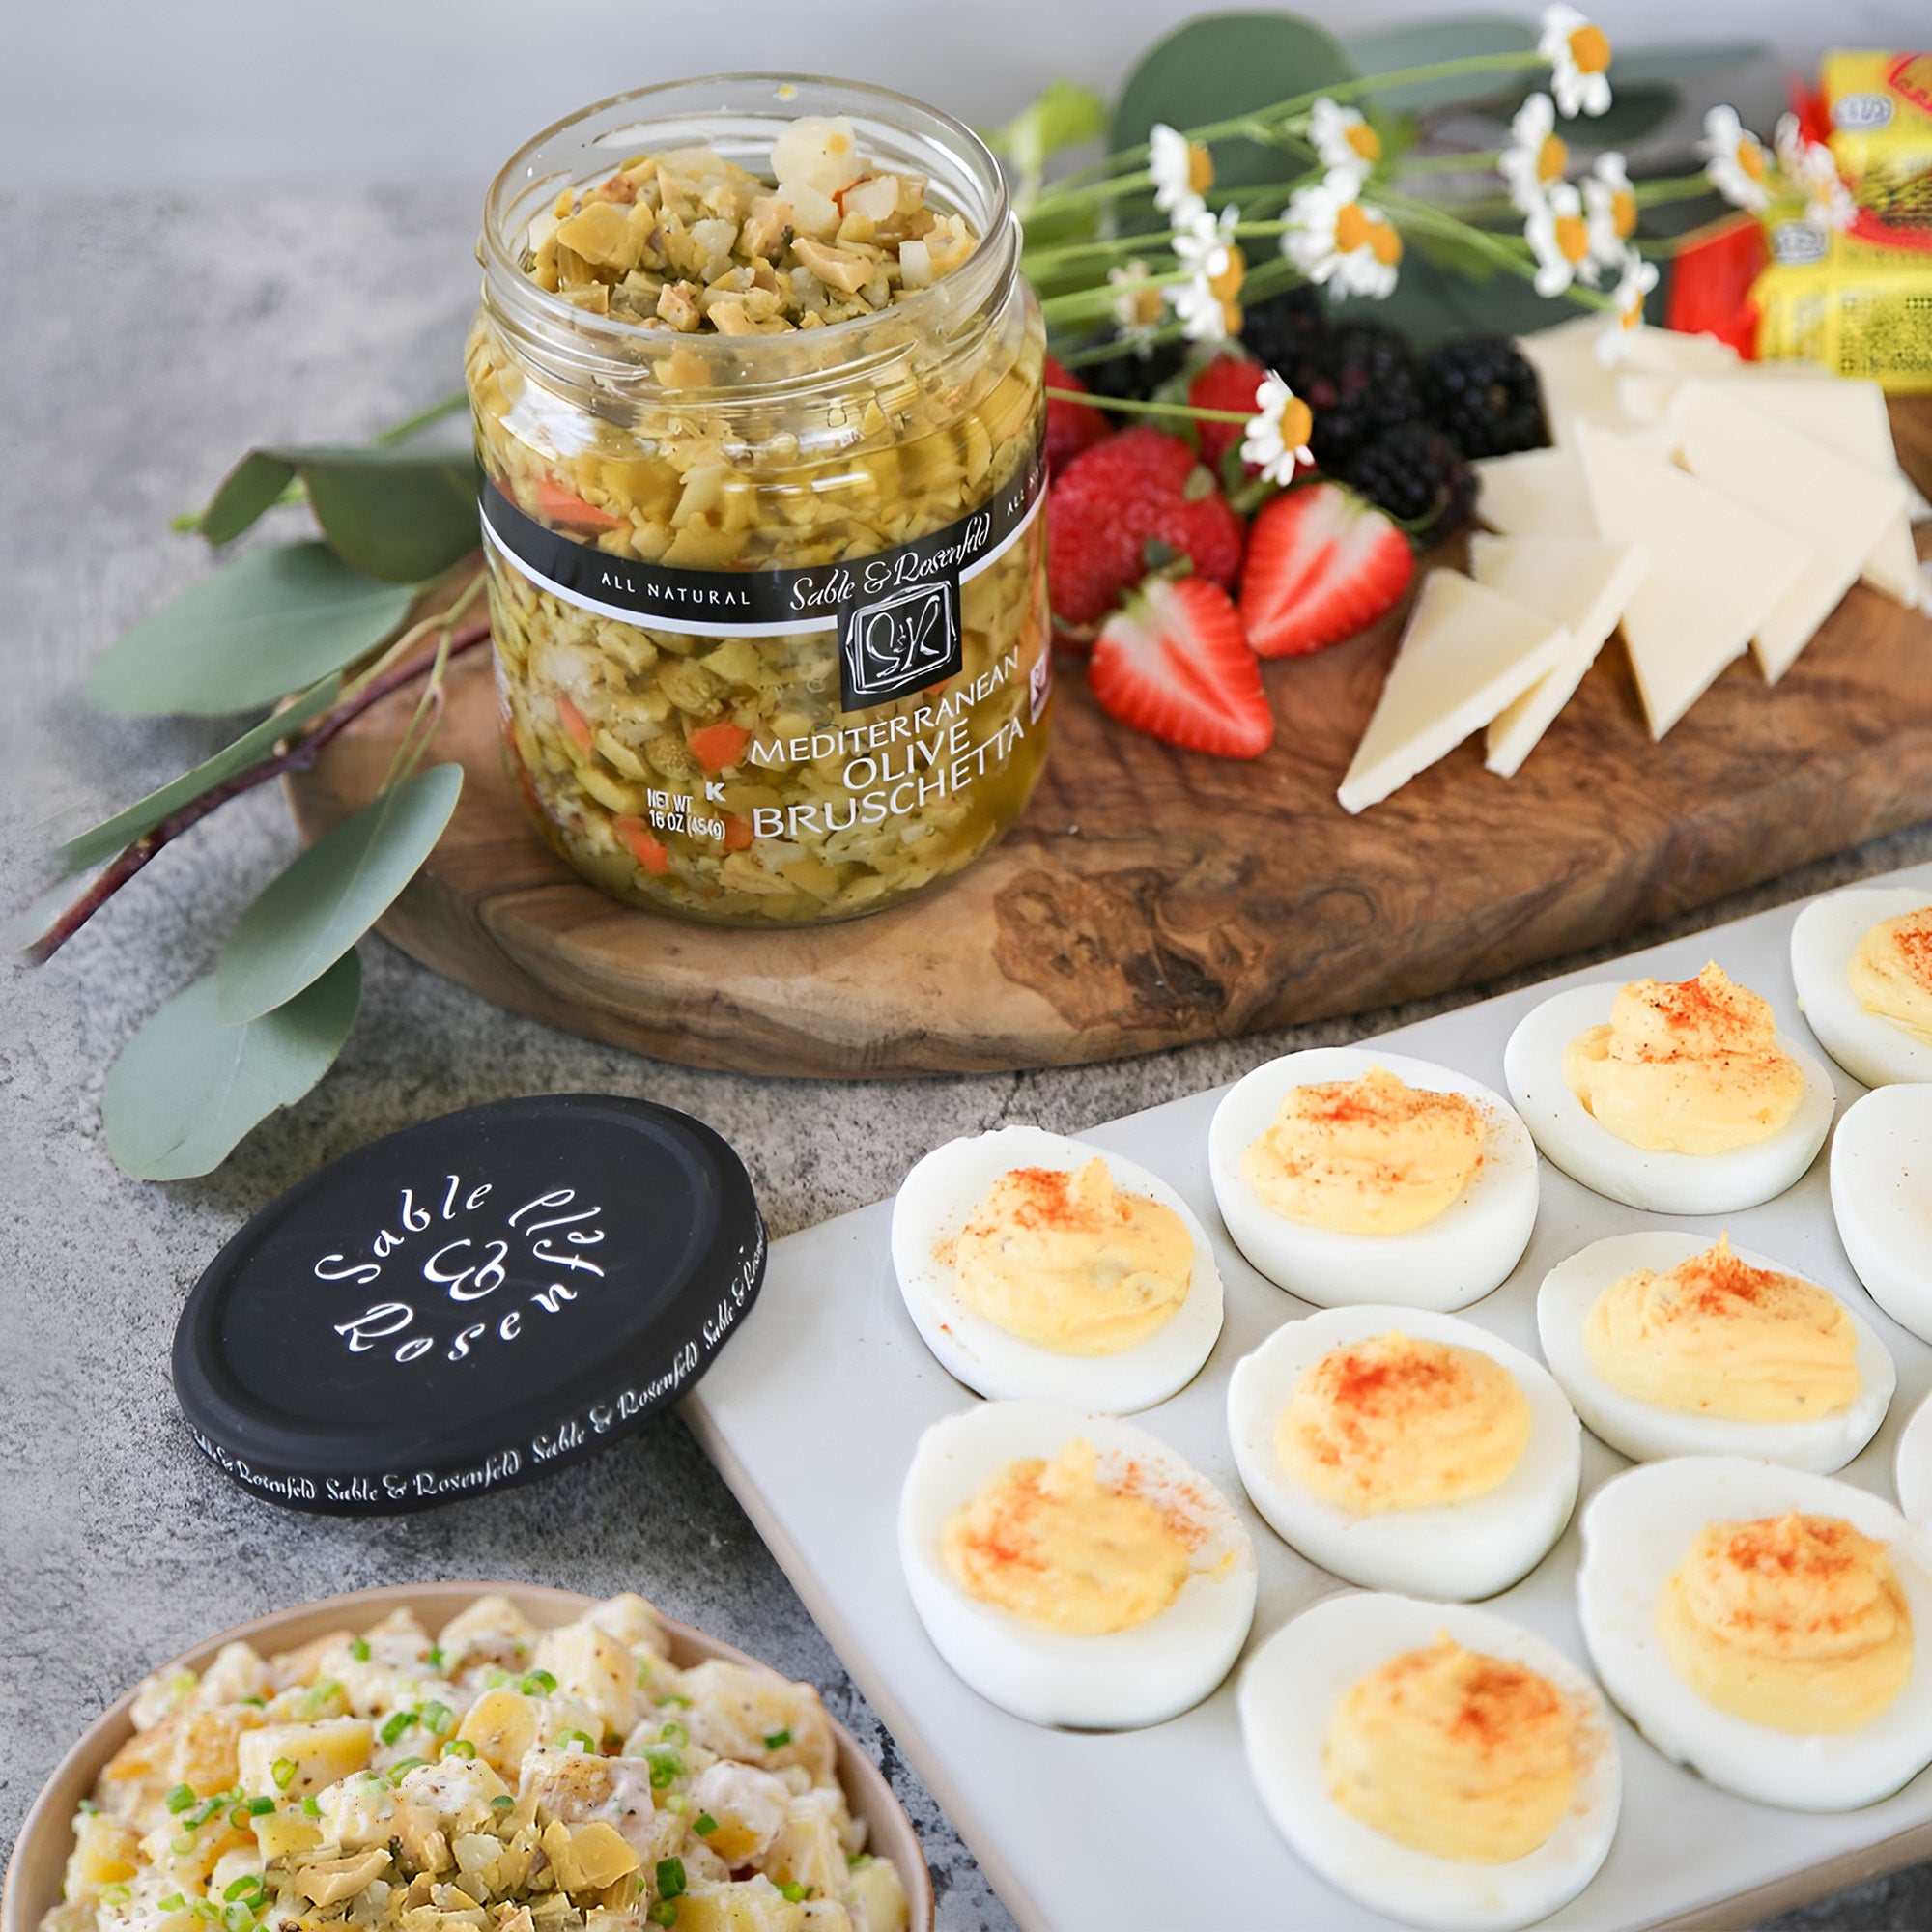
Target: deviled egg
(1435, 1762)
(1405, 1450)
(1348, 1175)
(1036, 1265)
(1912, 1469)
(1071, 1568)
(1861, 961)
(1761, 1625)
(1882, 1200)
(1672, 1345)
(1680, 1096)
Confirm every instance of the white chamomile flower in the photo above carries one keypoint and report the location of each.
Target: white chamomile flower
(1276, 437)
(1736, 160)
(1579, 53)
(1559, 238)
(1333, 238)
(1609, 203)
(1183, 173)
(1636, 281)
(1138, 306)
(1343, 140)
(1535, 155)
(1205, 302)
(1828, 201)
(1790, 141)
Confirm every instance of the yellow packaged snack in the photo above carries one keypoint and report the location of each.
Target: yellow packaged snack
(1879, 110)
(1859, 310)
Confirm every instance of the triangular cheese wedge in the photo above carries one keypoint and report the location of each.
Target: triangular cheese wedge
(1849, 417)
(1716, 572)
(1838, 508)
(1579, 582)
(1673, 352)
(1466, 654)
(1536, 493)
(1578, 385)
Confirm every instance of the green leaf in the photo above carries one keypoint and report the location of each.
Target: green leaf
(1424, 42)
(252, 487)
(1222, 64)
(267, 624)
(89, 848)
(1432, 300)
(391, 515)
(1062, 116)
(306, 920)
(1682, 62)
(1635, 108)
(187, 1087)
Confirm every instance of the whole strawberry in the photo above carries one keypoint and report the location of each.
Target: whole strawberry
(1071, 427)
(1128, 505)
(1228, 383)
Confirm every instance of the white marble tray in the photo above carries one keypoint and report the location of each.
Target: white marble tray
(813, 1412)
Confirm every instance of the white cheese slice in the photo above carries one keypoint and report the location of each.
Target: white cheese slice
(1671, 352)
(1536, 493)
(1838, 508)
(1579, 582)
(1465, 655)
(1716, 572)
(1848, 417)
(1578, 385)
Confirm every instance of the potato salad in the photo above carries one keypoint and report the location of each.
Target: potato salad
(491, 1778)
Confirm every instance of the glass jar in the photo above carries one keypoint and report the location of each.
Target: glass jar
(769, 609)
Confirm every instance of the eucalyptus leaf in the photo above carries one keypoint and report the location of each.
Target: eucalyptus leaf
(1062, 115)
(1438, 298)
(268, 623)
(1425, 43)
(1683, 62)
(1637, 108)
(187, 1087)
(306, 920)
(253, 487)
(89, 848)
(1222, 64)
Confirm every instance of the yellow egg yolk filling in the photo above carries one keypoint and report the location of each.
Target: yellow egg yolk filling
(1066, 1261)
(1717, 1337)
(1464, 1756)
(1396, 1423)
(1367, 1156)
(1891, 971)
(1057, 1547)
(1794, 1622)
(1686, 1067)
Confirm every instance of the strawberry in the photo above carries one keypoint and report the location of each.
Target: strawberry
(1228, 383)
(1071, 427)
(1323, 564)
(1175, 664)
(1126, 506)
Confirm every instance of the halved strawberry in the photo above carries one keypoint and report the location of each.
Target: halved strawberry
(1323, 563)
(1175, 664)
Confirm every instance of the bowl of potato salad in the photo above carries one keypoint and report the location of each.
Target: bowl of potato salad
(463, 1757)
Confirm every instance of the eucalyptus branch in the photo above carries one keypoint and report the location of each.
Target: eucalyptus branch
(298, 757)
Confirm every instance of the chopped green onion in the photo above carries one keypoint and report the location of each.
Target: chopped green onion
(239, 1816)
(674, 1733)
(283, 1772)
(670, 1878)
(795, 1892)
(777, 1740)
(259, 1807)
(207, 1909)
(666, 1761)
(181, 1843)
(402, 1767)
(435, 1661)
(662, 1913)
(260, 1703)
(116, 1895)
(704, 1824)
(181, 1798)
(858, 1860)
(237, 1919)
(359, 1649)
(434, 1717)
(174, 1902)
(202, 1813)
(502, 1801)
(459, 1747)
(311, 1806)
(396, 1726)
(494, 1678)
(537, 1684)
(643, 1672)
(89, 1807)
(672, 1697)
(582, 1738)
(245, 1886)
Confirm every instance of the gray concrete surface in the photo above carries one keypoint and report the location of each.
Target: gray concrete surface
(143, 343)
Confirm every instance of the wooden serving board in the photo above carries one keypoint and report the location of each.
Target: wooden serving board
(1152, 897)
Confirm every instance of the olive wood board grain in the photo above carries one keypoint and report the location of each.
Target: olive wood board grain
(1151, 897)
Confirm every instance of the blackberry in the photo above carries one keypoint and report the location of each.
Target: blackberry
(1414, 473)
(1357, 382)
(1133, 376)
(1481, 390)
(1282, 331)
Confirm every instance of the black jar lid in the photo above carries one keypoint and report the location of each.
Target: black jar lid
(470, 1303)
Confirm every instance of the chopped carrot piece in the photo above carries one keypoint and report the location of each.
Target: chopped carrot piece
(573, 720)
(737, 833)
(716, 746)
(649, 854)
(559, 505)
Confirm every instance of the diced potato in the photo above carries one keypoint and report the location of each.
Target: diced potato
(878, 1897)
(754, 1906)
(826, 1915)
(503, 1725)
(490, 1631)
(279, 1834)
(592, 1669)
(807, 1850)
(748, 1804)
(104, 1852)
(321, 1752)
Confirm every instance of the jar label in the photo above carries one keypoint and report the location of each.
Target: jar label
(897, 612)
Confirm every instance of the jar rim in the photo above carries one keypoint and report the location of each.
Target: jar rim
(993, 255)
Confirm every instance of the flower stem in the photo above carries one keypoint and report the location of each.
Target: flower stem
(401, 432)
(1128, 406)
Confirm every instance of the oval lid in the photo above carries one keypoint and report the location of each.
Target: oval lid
(468, 1303)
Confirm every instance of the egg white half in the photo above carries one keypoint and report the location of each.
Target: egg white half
(1637, 1529)
(1446, 1263)
(1645, 1433)
(1287, 1695)
(1127, 1678)
(938, 1198)
(1463, 1549)
(1912, 1467)
(1665, 1184)
(1825, 935)
(1882, 1200)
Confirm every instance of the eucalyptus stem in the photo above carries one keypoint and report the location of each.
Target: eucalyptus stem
(401, 432)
